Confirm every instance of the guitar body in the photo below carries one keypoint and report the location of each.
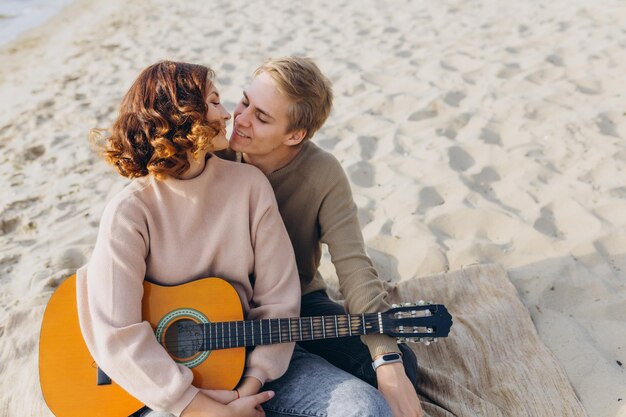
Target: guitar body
(68, 374)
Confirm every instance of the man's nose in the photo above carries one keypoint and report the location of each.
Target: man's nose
(243, 118)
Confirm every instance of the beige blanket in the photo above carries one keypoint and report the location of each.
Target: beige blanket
(493, 363)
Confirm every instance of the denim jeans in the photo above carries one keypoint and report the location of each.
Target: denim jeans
(349, 354)
(312, 387)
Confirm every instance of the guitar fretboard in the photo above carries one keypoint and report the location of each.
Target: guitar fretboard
(225, 335)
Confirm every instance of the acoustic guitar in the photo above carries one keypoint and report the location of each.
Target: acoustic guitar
(201, 325)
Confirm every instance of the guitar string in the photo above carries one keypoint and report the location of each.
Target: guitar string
(343, 327)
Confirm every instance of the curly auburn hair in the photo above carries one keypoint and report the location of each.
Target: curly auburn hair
(162, 117)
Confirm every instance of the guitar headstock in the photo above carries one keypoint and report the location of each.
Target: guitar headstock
(417, 322)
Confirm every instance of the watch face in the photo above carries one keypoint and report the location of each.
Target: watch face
(391, 356)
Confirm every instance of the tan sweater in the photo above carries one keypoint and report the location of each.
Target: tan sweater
(222, 223)
(315, 200)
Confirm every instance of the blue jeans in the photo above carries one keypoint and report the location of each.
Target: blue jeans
(312, 387)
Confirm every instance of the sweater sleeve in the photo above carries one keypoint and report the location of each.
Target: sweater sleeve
(276, 285)
(358, 279)
(109, 294)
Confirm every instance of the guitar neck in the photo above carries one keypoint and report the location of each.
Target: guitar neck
(226, 335)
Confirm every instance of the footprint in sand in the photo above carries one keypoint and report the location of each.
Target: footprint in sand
(489, 136)
(459, 159)
(362, 174)
(606, 125)
(454, 98)
(8, 226)
(429, 197)
(555, 60)
(423, 115)
(488, 175)
(546, 224)
(34, 152)
(368, 146)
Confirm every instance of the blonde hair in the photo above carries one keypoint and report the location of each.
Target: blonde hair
(309, 91)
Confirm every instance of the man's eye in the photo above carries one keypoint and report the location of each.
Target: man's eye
(216, 103)
(261, 119)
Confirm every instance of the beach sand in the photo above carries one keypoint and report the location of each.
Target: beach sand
(476, 131)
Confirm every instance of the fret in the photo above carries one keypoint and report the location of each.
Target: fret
(270, 325)
(290, 339)
(349, 324)
(300, 328)
(363, 320)
(280, 332)
(210, 344)
(237, 333)
(336, 328)
(311, 325)
(261, 330)
(204, 337)
(380, 322)
(230, 340)
(324, 327)
(245, 342)
(252, 331)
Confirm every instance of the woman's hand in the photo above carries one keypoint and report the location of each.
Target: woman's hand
(398, 391)
(221, 396)
(203, 405)
(249, 386)
(250, 405)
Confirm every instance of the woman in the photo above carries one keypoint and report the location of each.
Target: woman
(186, 215)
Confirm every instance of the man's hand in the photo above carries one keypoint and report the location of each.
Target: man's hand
(398, 391)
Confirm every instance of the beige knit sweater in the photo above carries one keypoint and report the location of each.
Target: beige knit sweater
(315, 200)
(223, 223)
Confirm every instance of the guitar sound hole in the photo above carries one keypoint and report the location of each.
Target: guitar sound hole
(183, 339)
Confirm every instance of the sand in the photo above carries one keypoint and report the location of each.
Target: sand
(476, 131)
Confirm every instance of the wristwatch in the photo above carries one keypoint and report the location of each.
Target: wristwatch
(385, 359)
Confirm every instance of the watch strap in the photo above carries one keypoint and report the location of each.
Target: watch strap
(386, 359)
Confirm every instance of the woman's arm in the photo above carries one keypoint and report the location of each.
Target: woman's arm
(109, 295)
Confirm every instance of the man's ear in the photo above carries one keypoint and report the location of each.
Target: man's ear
(296, 137)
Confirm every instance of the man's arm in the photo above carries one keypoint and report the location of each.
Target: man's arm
(362, 289)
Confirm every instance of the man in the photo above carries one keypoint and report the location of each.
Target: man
(287, 101)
